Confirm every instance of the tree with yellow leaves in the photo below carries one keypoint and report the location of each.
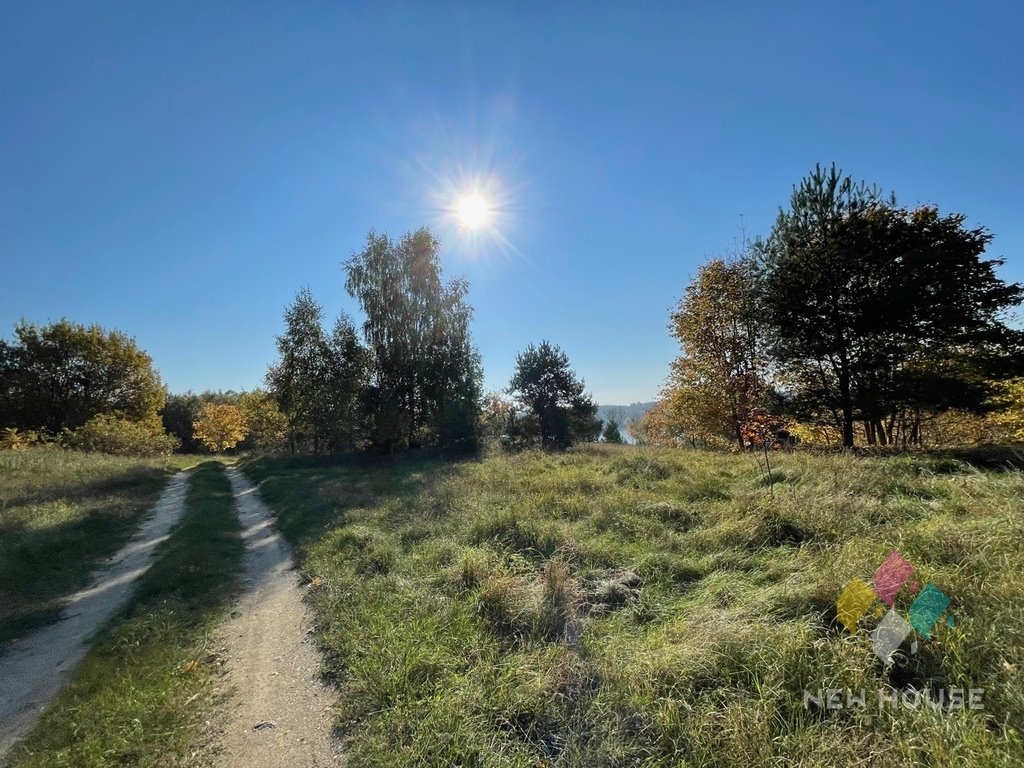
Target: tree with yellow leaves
(661, 426)
(1010, 402)
(717, 380)
(220, 427)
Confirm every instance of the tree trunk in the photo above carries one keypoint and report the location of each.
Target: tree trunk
(846, 400)
(882, 436)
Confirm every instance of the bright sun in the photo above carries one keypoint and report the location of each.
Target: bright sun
(473, 211)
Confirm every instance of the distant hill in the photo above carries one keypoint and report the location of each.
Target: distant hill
(624, 414)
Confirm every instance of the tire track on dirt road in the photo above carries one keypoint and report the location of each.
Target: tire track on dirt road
(36, 667)
(279, 711)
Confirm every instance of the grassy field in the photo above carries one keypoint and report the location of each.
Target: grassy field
(140, 695)
(614, 607)
(60, 513)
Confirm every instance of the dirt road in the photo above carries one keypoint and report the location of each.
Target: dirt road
(36, 666)
(279, 713)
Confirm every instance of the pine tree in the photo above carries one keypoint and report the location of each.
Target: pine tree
(611, 432)
(544, 385)
(877, 313)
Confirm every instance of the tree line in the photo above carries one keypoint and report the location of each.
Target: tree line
(855, 320)
(89, 388)
(408, 377)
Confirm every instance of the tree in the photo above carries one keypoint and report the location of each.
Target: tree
(1009, 400)
(495, 411)
(181, 411)
(424, 372)
(265, 425)
(878, 313)
(717, 380)
(318, 380)
(700, 411)
(178, 415)
(297, 376)
(611, 433)
(545, 385)
(661, 425)
(220, 427)
(61, 375)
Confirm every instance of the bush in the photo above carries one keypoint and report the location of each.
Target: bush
(111, 433)
(13, 439)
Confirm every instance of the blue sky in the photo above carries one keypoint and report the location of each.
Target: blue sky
(179, 170)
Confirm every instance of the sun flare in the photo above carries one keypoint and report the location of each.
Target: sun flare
(473, 211)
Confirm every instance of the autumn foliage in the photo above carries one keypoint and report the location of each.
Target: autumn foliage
(856, 319)
(220, 427)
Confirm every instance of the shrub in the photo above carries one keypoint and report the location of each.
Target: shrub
(111, 433)
(13, 439)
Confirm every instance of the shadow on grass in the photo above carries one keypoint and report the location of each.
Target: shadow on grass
(95, 490)
(310, 494)
(198, 564)
(134, 696)
(1004, 458)
(40, 565)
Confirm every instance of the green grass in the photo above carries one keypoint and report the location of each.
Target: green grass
(61, 512)
(628, 607)
(140, 695)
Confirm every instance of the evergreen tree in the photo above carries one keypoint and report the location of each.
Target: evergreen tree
(544, 385)
(611, 433)
(876, 312)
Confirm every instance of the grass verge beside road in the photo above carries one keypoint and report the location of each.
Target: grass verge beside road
(141, 693)
(61, 513)
(611, 607)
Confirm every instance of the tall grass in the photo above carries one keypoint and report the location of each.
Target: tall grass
(61, 512)
(612, 607)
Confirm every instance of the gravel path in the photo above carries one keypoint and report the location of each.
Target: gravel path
(279, 713)
(36, 666)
